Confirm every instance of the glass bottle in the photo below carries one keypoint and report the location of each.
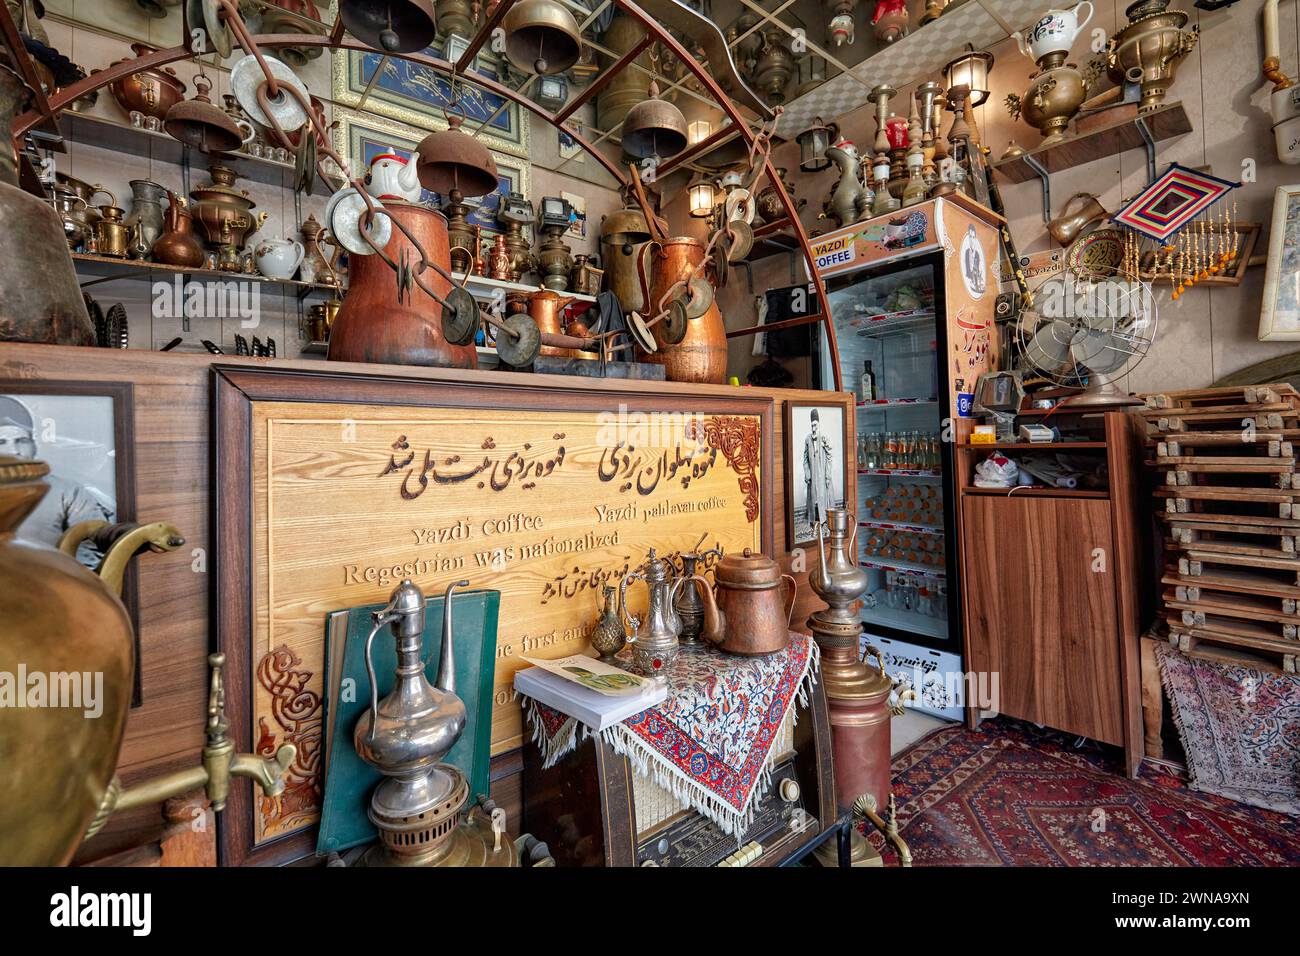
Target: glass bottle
(873, 452)
(867, 385)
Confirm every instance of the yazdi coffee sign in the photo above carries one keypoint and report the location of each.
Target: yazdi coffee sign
(545, 506)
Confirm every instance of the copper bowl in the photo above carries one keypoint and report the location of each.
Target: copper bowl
(151, 92)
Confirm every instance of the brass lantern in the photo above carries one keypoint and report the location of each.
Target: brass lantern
(542, 37)
(454, 160)
(703, 198)
(813, 143)
(654, 127)
(971, 70)
(394, 26)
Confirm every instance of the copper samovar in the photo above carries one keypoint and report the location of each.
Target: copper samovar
(702, 355)
(224, 213)
(1149, 49)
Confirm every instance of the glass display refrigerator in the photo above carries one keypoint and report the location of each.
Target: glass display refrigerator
(911, 298)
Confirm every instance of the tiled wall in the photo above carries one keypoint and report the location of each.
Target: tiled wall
(93, 33)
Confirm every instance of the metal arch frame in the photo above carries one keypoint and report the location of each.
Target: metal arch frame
(336, 40)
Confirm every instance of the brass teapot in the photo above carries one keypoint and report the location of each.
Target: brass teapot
(654, 641)
(742, 613)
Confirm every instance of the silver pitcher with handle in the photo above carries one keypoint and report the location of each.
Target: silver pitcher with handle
(656, 640)
(407, 734)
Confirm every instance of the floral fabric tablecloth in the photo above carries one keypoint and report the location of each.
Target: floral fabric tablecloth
(710, 742)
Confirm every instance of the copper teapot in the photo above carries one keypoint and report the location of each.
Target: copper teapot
(547, 309)
(742, 613)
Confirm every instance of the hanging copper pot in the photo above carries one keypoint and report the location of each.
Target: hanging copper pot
(702, 355)
(376, 323)
(33, 247)
(151, 92)
(451, 159)
(541, 37)
(654, 127)
(391, 26)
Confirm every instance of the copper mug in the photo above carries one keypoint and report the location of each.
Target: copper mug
(742, 613)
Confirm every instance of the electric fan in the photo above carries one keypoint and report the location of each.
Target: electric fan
(1087, 331)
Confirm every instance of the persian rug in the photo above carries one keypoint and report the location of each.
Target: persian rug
(1013, 795)
(1240, 728)
(710, 742)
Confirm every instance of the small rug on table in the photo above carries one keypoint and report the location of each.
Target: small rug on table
(1013, 795)
(1240, 728)
(710, 742)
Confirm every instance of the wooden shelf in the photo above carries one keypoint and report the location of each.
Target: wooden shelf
(1114, 136)
(1036, 492)
(160, 147)
(108, 268)
(1035, 446)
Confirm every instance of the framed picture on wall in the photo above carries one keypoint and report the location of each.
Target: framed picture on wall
(816, 467)
(1279, 317)
(83, 431)
(360, 137)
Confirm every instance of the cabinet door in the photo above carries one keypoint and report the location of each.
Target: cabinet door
(1040, 598)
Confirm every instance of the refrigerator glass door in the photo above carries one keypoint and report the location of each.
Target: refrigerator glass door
(888, 334)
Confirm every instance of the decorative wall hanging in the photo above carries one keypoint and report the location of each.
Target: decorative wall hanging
(415, 94)
(1172, 201)
(361, 137)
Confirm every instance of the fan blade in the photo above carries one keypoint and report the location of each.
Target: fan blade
(1050, 347)
(1100, 351)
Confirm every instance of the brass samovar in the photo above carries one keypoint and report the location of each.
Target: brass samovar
(1149, 49)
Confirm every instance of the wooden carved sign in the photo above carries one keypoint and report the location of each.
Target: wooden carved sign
(543, 494)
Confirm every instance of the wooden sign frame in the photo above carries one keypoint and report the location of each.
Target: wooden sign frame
(236, 388)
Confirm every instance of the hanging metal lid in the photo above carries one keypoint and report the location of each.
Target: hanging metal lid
(654, 127)
(542, 37)
(201, 124)
(454, 160)
(394, 26)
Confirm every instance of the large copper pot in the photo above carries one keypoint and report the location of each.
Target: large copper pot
(374, 326)
(40, 300)
(151, 92)
(547, 309)
(702, 355)
(56, 618)
(224, 213)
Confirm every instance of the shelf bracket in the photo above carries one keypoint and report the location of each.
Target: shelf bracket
(1149, 143)
(1041, 170)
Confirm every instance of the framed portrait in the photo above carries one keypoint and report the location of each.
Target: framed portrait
(419, 96)
(83, 431)
(816, 467)
(1279, 317)
(360, 137)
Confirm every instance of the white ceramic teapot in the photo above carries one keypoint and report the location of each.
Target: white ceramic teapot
(393, 177)
(1054, 33)
(278, 258)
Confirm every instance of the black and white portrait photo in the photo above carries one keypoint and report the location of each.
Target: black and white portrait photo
(815, 466)
(75, 436)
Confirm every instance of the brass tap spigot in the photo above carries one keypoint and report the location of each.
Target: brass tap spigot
(219, 764)
(865, 807)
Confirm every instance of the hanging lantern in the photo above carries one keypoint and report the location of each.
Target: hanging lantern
(654, 127)
(394, 26)
(697, 131)
(200, 124)
(703, 199)
(813, 143)
(971, 70)
(541, 37)
(454, 160)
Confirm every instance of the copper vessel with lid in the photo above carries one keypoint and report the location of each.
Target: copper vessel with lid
(151, 92)
(702, 355)
(745, 612)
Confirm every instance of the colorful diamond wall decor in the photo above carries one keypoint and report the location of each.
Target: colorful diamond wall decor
(1172, 201)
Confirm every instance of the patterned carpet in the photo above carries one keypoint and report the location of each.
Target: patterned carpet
(1010, 794)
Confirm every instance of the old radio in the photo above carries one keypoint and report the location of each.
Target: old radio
(594, 809)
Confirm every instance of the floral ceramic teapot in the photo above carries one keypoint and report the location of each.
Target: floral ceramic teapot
(393, 177)
(1054, 33)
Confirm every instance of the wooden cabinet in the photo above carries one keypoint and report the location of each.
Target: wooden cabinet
(1049, 580)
